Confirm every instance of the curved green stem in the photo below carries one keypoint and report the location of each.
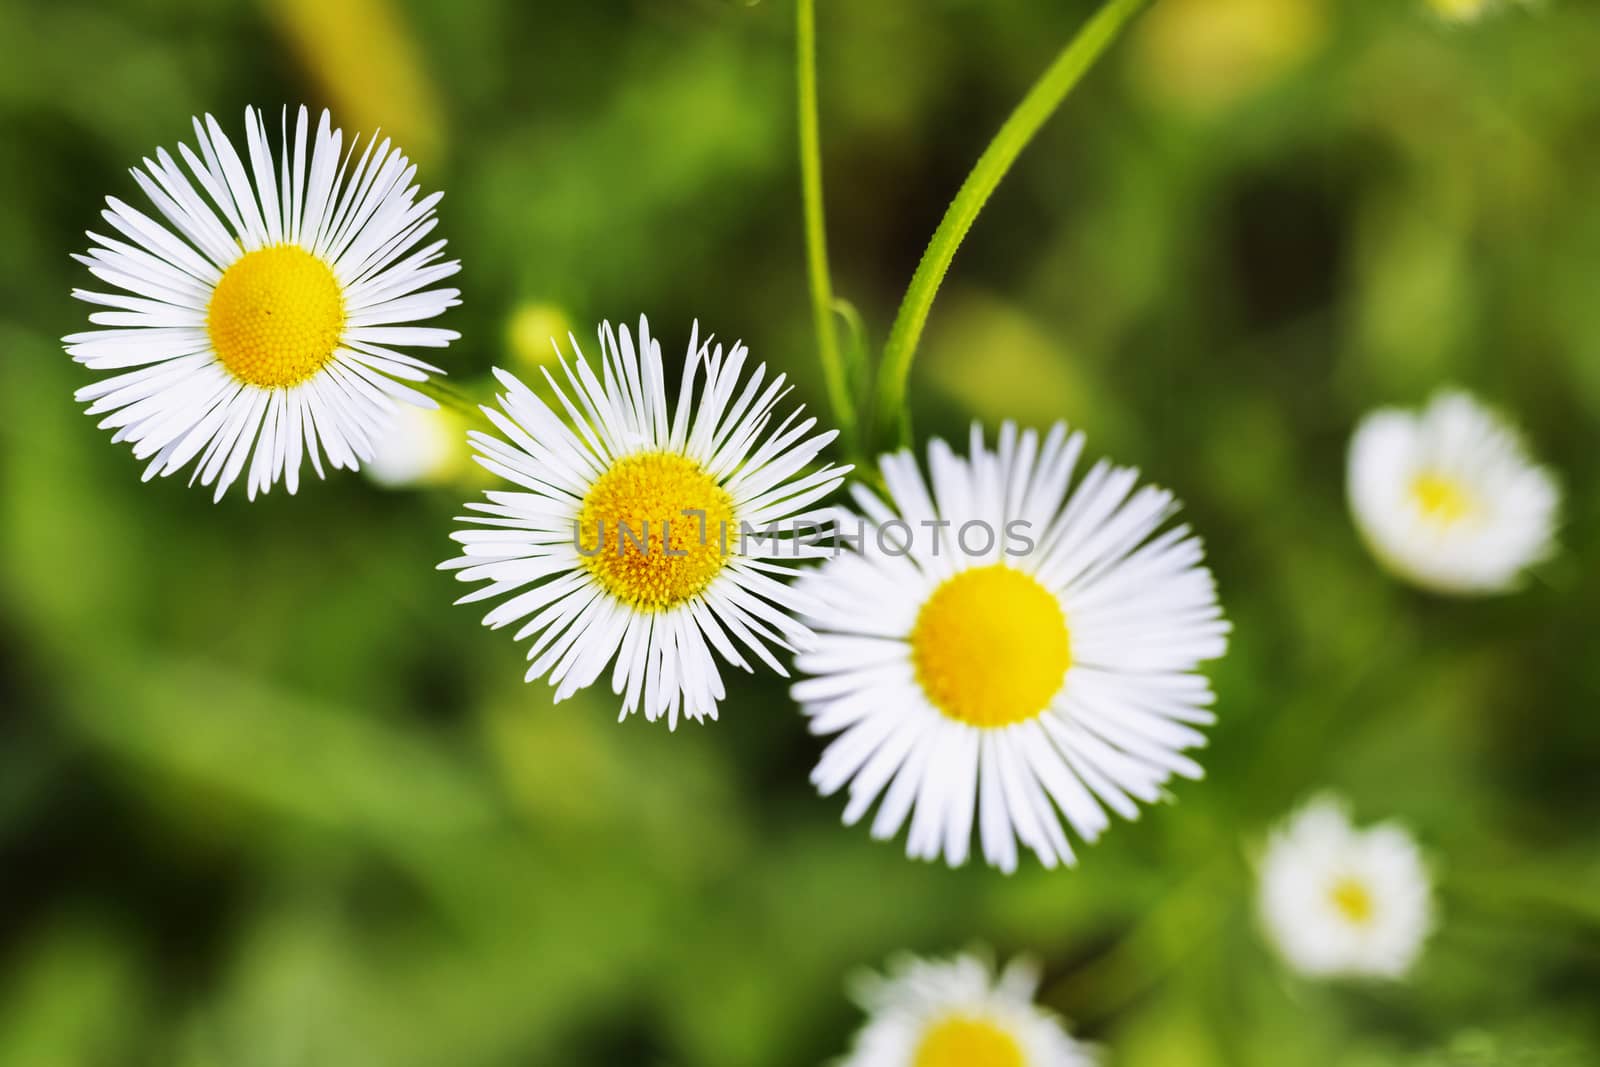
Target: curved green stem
(448, 397)
(1168, 933)
(856, 359)
(1041, 101)
(833, 372)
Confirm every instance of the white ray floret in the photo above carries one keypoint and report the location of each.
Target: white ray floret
(635, 539)
(1336, 901)
(254, 320)
(1006, 650)
(1448, 498)
(959, 1013)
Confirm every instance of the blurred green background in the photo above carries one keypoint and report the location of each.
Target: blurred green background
(267, 799)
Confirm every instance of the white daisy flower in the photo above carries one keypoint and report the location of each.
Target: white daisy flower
(257, 326)
(1448, 499)
(1031, 650)
(1337, 901)
(638, 536)
(957, 1013)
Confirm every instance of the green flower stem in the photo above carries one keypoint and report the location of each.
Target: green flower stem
(1042, 100)
(833, 370)
(449, 397)
(1507, 888)
(1172, 931)
(855, 353)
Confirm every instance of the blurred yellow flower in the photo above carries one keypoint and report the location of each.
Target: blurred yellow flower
(1469, 10)
(533, 332)
(1462, 10)
(1204, 55)
(366, 59)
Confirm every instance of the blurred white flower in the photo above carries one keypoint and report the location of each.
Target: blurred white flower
(1008, 643)
(421, 447)
(1338, 901)
(259, 325)
(1448, 498)
(1205, 55)
(958, 1013)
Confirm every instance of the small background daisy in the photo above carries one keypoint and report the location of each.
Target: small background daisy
(422, 447)
(959, 1013)
(1338, 901)
(1447, 498)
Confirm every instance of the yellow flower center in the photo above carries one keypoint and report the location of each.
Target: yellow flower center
(276, 316)
(959, 1042)
(655, 529)
(1442, 500)
(1353, 900)
(991, 646)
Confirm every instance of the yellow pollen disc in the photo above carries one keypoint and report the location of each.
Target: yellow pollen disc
(1353, 901)
(1441, 500)
(961, 1042)
(276, 316)
(654, 494)
(991, 646)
